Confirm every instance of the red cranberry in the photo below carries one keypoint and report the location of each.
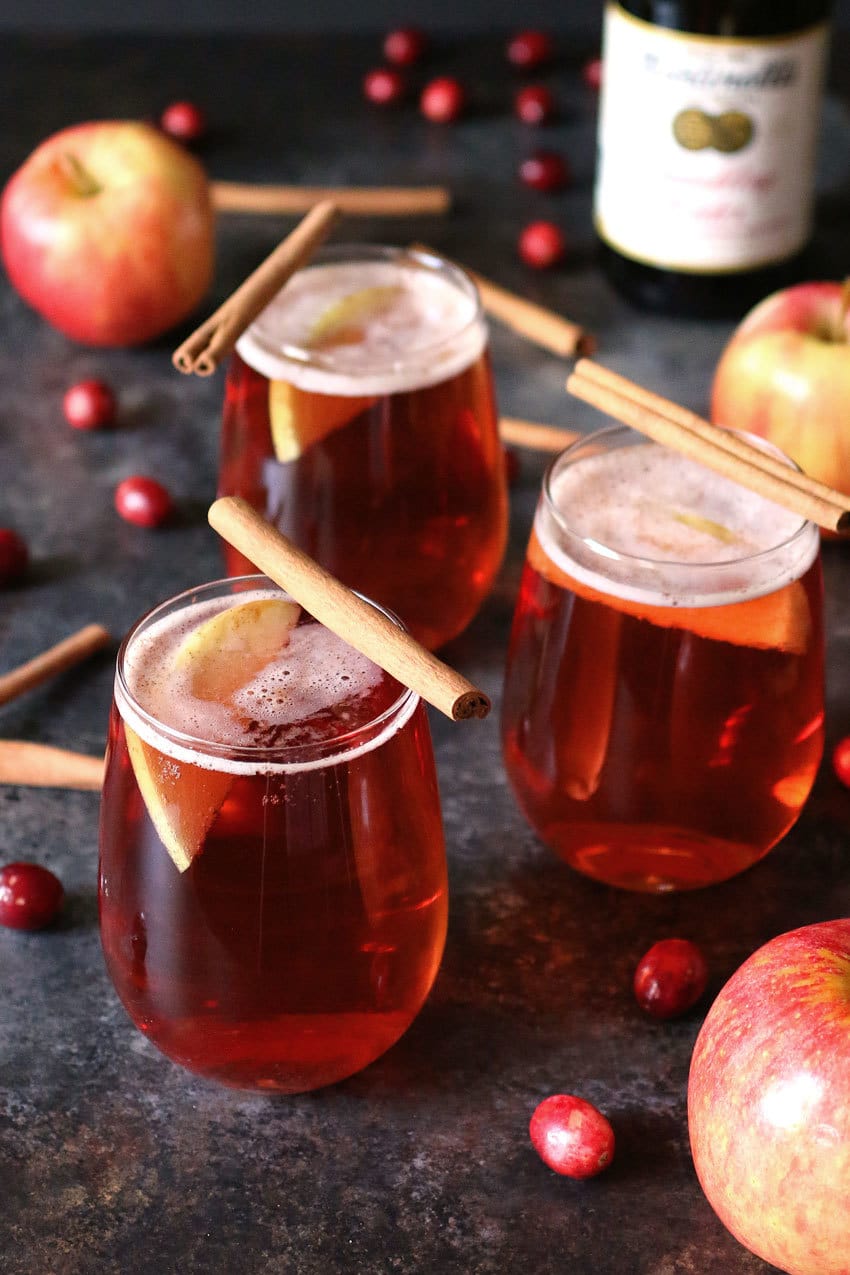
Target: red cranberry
(383, 86)
(535, 104)
(530, 48)
(405, 46)
(591, 73)
(442, 100)
(670, 978)
(841, 760)
(572, 1136)
(89, 405)
(14, 556)
(184, 121)
(510, 457)
(143, 501)
(30, 896)
(541, 245)
(545, 170)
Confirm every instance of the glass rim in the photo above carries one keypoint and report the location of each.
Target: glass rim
(354, 251)
(283, 756)
(604, 550)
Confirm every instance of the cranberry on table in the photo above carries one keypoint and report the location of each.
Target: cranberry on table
(535, 104)
(443, 100)
(591, 73)
(572, 1136)
(383, 86)
(841, 760)
(14, 556)
(143, 501)
(405, 45)
(527, 49)
(30, 896)
(670, 978)
(545, 170)
(184, 121)
(90, 405)
(542, 244)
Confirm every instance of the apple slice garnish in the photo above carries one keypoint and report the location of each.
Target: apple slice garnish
(182, 800)
(227, 651)
(220, 656)
(776, 621)
(299, 419)
(342, 322)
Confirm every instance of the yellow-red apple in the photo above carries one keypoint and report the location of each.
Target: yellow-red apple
(769, 1101)
(785, 375)
(107, 231)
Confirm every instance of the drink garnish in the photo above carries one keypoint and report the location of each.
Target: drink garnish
(219, 657)
(228, 650)
(707, 526)
(342, 322)
(298, 419)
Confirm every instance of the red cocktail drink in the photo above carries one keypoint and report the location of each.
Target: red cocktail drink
(360, 419)
(272, 881)
(663, 711)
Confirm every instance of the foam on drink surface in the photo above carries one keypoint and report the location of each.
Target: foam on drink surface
(702, 540)
(318, 689)
(429, 330)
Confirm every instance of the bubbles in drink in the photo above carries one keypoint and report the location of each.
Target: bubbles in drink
(646, 502)
(316, 689)
(366, 327)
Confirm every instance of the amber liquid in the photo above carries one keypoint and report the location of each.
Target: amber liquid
(304, 937)
(655, 757)
(405, 502)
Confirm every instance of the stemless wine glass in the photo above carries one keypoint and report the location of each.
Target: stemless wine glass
(360, 419)
(272, 873)
(663, 707)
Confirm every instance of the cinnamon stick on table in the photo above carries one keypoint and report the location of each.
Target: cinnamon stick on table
(544, 327)
(534, 435)
(364, 627)
(716, 448)
(41, 766)
(202, 352)
(357, 201)
(64, 655)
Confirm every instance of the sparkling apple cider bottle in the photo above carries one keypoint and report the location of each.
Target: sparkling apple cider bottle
(707, 135)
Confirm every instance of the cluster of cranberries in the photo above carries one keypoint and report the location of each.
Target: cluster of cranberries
(571, 1135)
(444, 99)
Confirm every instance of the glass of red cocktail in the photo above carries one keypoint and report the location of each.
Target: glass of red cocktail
(663, 708)
(272, 873)
(360, 419)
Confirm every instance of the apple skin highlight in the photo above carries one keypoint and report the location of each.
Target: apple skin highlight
(785, 375)
(769, 1101)
(107, 230)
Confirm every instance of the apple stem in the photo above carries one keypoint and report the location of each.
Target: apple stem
(79, 176)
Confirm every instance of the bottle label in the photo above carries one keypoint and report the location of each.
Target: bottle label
(706, 145)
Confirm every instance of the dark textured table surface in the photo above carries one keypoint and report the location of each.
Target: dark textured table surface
(111, 1158)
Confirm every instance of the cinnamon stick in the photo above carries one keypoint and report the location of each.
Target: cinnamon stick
(202, 352)
(41, 766)
(368, 630)
(357, 201)
(535, 436)
(627, 403)
(64, 655)
(544, 327)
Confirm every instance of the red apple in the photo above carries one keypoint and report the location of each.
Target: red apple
(769, 1101)
(785, 375)
(107, 231)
